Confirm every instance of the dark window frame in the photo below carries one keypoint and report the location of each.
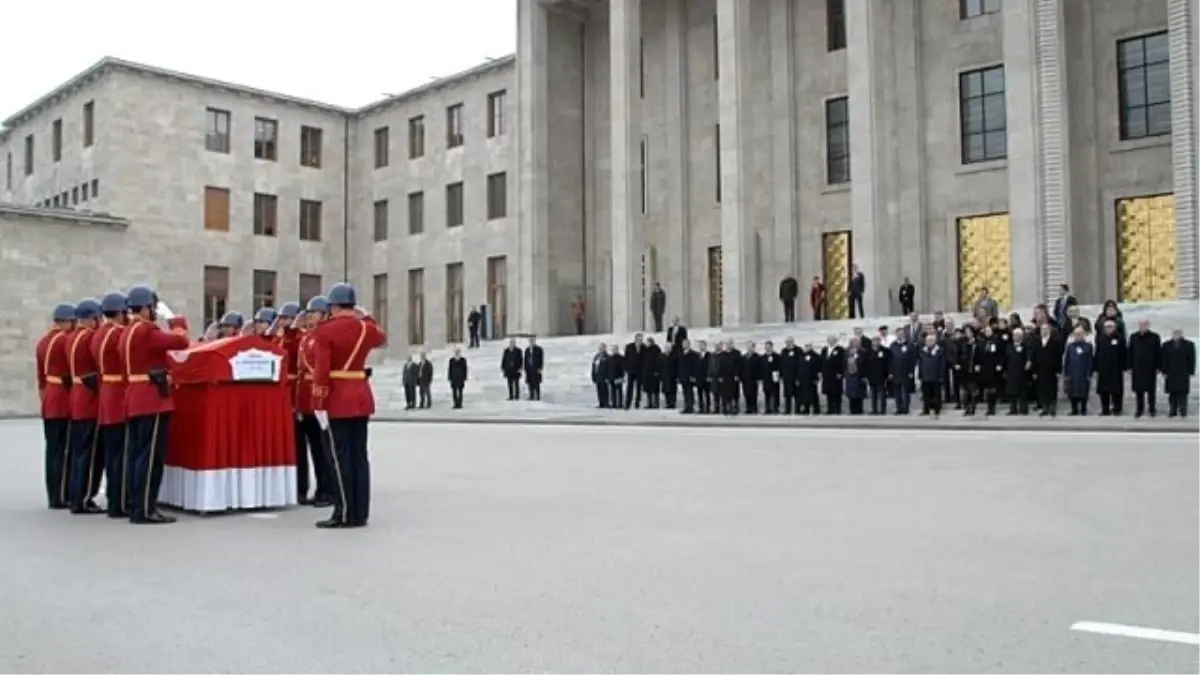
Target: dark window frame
(312, 213)
(970, 9)
(973, 86)
(218, 127)
(835, 25)
(497, 197)
(496, 101)
(266, 214)
(89, 124)
(266, 139)
(416, 137)
(312, 141)
(56, 140)
(265, 287)
(416, 212)
(382, 146)
(1131, 113)
(455, 204)
(380, 216)
(455, 133)
(837, 128)
(216, 293)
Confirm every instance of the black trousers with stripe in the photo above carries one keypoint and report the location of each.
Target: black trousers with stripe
(351, 470)
(147, 449)
(57, 434)
(116, 468)
(87, 463)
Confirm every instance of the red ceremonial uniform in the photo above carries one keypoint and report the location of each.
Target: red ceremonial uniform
(306, 357)
(340, 349)
(111, 408)
(144, 348)
(52, 369)
(84, 401)
(289, 341)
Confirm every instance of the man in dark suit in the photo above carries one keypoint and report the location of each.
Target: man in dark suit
(424, 382)
(456, 372)
(634, 353)
(1178, 367)
(511, 362)
(1145, 360)
(1064, 302)
(858, 288)
(473, 321)
(908, 295)
(677, 334)
(535, 359)
(600, 368)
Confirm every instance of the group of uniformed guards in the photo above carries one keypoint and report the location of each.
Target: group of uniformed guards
(986, 363)
(106, 400)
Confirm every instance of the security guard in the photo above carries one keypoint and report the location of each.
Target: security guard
(311, 433)
(87, 461)
(148, 403)
(231, 324)
(110, 417)
(54, 390)
(263, 319)
(342, 399)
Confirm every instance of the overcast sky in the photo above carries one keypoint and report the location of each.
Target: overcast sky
(344, 52)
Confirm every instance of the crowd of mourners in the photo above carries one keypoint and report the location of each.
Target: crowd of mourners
(991, 364)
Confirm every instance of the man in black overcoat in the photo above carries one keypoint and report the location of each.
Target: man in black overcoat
(833, 370)
(1110, 364)
(789, 370)
(1179, 365)
(1046, 362)
(1145, 360)
(1018, 366)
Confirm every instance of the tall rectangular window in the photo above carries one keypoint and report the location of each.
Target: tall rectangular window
(95, 188)
(416, 212)
(717, 158)
(454, 204)
(454, 302)
(495, 109)
(311, 140)
(1144, 86)
(642, 174)
(983, 117)
(835, 24)
(969, 9)
(416, 306)
(29, 155)
(56, 140)
(310, 287)
(416, 137)
(381, 220)
(89, 124)
(216, 293)
(454, 126)
(497, 295)
(266, 214)
(382, 140)
(837, 141)
(266, 139)
(216, 208)
(497, 196)
(310, 220)
(216, 130)
(379, 300)
(264, 289)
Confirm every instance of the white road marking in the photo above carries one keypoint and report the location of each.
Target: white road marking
(1138, 632)
(266, 515)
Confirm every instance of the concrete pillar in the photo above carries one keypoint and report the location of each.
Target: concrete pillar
(1039, 168)
(867, 44)
(532, 299)
(625, 29)
(906, 203)
(784, 260)
(738, 271)
(678, 276)
(1183, 25)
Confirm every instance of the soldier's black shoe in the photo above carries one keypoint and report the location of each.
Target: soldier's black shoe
(63, 507)
(152, 519)
(162, 518)
(321, 503)
(330, 524)
(117, 514)
(86, 510)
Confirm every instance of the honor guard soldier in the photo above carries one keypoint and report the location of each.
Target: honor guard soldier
(342, 399)
(110, 417)
(87, 459)
(148, 403)
(312, 436)
(231, 324)
(263, 319)
(283, 332)
(54, 390)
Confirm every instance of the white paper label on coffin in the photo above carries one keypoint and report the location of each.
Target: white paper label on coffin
(255, 365)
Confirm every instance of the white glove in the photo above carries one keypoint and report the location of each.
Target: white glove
(322, 419)
(362, 310)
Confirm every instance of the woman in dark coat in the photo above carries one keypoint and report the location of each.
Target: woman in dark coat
(991, 372)
(967, 367)
(1077, 372)
(833, 370)
(1111, 311)
(1017, 366)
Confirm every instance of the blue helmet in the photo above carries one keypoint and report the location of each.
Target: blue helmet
(64, 311)
(264, 315)
(343, 294)
(289, 310)
(232, 320)
(318, 303)
(88, 308)
(141, 296)
(113, 303)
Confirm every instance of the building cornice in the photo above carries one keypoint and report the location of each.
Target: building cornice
(64, 216)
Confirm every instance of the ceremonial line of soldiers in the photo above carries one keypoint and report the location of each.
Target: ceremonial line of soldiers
(989, 361)
(106, 400)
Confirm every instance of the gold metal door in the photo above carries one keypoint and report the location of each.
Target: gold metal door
(984, 260)
(716, 286)
(835, 251)
(1146, 248)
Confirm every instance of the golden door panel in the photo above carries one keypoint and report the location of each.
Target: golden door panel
(984, 260)
(835, 250)
(1146, 248)
(716, 286)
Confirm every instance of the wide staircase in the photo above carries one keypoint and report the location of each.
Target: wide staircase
(567, 386)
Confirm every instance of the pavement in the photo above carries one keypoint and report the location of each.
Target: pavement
(507, 548)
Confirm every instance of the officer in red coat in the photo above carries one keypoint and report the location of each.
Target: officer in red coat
(110, 413)
(282, 332)
(148, 403)
(54, 390)
(314, 437)
(342, 399)
(87, 465)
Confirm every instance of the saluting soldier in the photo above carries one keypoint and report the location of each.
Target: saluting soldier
(87, 458)
(263, 320)
(315, 438)
(231, 324)
(148, 403)
(110, 412)
(54, 390)
(343, 400)
(281, 330)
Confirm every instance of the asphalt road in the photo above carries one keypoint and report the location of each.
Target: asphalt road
(532, 549)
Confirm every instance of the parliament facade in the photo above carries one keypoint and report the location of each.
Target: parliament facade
(713, 146)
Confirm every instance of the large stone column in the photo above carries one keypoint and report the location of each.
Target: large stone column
(738, 241)
(1039, 169)
(625, 31)
(1183, 25)
(867, 43)
(784, 259)
(678, 274)
(532, 298)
